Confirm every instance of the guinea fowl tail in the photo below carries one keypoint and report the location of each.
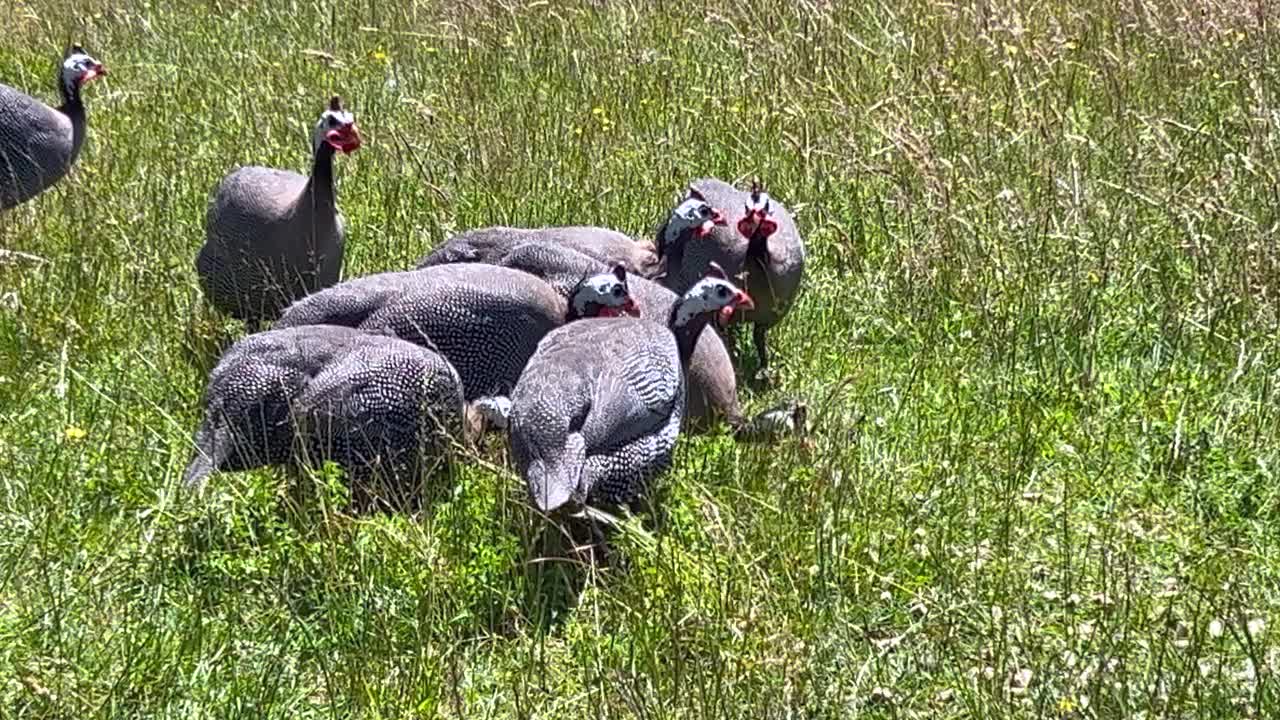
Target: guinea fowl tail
(198, 470)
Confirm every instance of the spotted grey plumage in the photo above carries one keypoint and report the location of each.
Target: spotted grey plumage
(349, 395)
(386, 409)
(759, 237)
(273, 236)
(486, 320)
(489, 244)
(39, 143)
(712, 385)
(597, 410)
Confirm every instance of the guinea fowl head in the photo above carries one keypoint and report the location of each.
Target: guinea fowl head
(758, 223)
(336, 128)
(604, 295)
(78, 68)
(714, 293)
(694, 215)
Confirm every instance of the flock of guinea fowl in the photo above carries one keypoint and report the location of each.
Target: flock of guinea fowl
(584, 345)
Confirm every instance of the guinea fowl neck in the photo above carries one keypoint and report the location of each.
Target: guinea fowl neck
(758, 247)
(686, 332)
(320, 186)
(73, 107)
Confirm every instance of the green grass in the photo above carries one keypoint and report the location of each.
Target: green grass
(1039, 331)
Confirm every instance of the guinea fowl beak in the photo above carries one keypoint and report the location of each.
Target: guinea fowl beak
(757, 222)
(345, 138)
(741, 301)
(717, 217)
(96, 71)
(628, 307)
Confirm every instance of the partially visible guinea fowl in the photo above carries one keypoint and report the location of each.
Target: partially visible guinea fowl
(488, 244)
(597, 411)
(364, 401)
(760, 238)
(38, 143)
(273, 236)
(486, 320)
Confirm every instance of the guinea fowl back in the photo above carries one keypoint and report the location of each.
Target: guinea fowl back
(489, 245)
(385, 410)
(486, 320)
(348, 303)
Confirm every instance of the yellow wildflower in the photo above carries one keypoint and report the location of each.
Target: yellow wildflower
(74, 433)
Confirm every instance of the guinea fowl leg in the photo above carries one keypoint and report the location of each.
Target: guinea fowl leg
(763, 376)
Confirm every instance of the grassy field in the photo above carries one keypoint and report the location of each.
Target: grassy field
(1038, 332)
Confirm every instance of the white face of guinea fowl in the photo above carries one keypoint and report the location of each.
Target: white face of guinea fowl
(79, 68)
(759, 216)
(605, 295)
(694, 215)
(713, 294)
(337, 128)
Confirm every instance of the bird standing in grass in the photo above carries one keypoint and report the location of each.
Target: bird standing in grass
(39, 143)
(758, 241)
(274, 236)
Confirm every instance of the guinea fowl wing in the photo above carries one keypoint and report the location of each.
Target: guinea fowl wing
(639, 386)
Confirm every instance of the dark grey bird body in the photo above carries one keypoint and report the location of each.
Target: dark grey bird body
(274, 236)
(39, 143)
(485, 320)
(597, 411)
(489, 244)
(350, 396)
(712, 385)
(385, 408)
(774, 267)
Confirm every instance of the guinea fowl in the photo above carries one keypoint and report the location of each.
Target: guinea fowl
(368, 402)
(486, 320)
(486, 245)
(760, 240)
(597, 411)
(39, 143)
(273, 236)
